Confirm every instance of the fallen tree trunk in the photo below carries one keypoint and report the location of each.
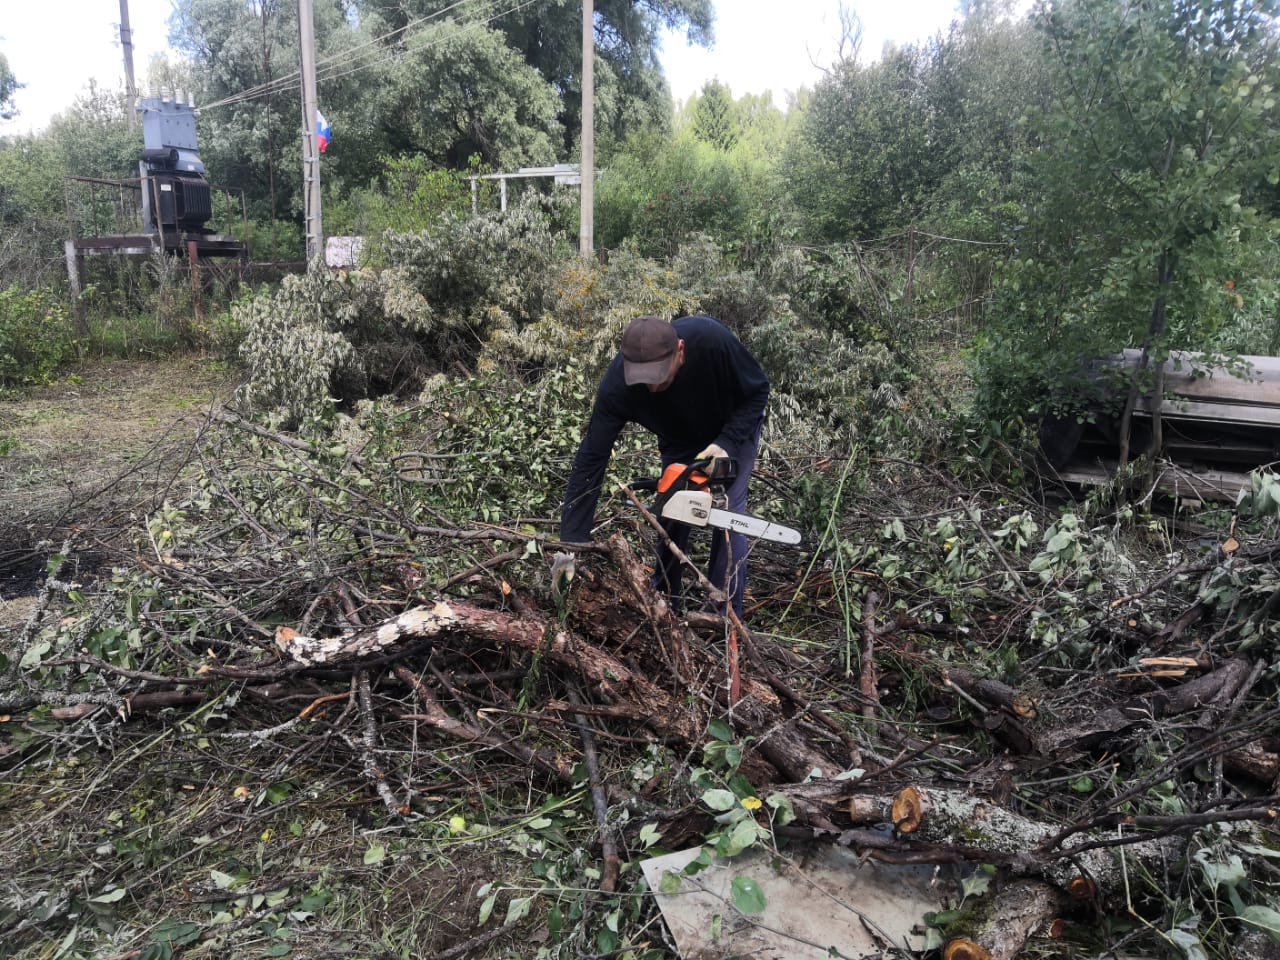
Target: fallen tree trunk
(1211, 689)
(955, 819)
(1001, 925)
(756, 713)
(610, 676)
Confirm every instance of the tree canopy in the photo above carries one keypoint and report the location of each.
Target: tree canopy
(8, 85)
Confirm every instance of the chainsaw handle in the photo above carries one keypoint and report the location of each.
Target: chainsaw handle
(671, 481)
(681, 476)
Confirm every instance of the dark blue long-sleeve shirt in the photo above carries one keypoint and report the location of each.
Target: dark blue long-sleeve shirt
(718, 396)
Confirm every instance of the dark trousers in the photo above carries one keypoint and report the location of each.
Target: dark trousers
(728, 550)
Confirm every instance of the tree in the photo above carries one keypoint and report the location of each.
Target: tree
(631, 92)
(450, 80)
(714, 116)
(987, 75)
(8, 86)
(663, 189)
(244, 65)
(459, 92)
(32, 218)
(867, 155)
(1164, 118)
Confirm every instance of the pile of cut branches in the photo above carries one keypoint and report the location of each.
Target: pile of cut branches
(312, 708)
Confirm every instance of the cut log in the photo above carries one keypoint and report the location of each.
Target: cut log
(993, 693)
(952, 818)
(909, 809)
(1002, 924)
(1002, 708)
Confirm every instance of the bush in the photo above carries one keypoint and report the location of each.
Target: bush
(441, 297)
(35, 336)
(412, 195)
(664, 191)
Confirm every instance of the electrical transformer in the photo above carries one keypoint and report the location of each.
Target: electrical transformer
(175, 194)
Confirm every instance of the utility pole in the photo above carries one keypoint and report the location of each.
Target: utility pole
(313, 225)
(586, 221)
(126, 42)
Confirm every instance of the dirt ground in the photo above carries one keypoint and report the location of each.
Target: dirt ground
(101, 438)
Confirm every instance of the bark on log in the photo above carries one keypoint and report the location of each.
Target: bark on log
(1253, 760)
(952, 818)
(993, 693)
(1211, 689)
(1005, 922)
(609, 676)
(133, 703)
(613, 680)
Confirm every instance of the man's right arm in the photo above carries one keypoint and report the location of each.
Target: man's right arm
(583, 490)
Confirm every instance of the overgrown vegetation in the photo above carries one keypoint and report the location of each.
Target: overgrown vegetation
(922, 252)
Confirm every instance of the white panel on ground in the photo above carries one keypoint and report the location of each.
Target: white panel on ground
(819, 903)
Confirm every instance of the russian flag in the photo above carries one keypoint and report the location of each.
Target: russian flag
(322, 131)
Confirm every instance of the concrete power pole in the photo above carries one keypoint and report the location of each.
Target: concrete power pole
(313, 223)
(126, 42)
(586, 222)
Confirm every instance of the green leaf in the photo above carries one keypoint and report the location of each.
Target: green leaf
(1264, 918)
(670, 882)
(177, 932)
(649, 834)
(1188, 943)
(720, 799)
(744, 834)
(278, 792)
(115, 896)
(35, 653)
(784, 813)
(720, 729)
(486, 908)
(517, 909)
(975, 884)
(375, 855)
(223, 881)
(698, 863)
(1220, 874)
(746, 895)
(1059, 541)
(277, 950)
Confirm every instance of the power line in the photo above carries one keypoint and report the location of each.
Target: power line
(291, 78)
(291, 81)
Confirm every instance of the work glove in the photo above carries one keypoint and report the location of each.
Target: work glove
(716, 456)
(564, 564)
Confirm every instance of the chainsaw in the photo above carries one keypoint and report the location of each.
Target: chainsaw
(687, 494)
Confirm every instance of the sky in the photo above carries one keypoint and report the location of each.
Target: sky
(781, 45)
(55, 46)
